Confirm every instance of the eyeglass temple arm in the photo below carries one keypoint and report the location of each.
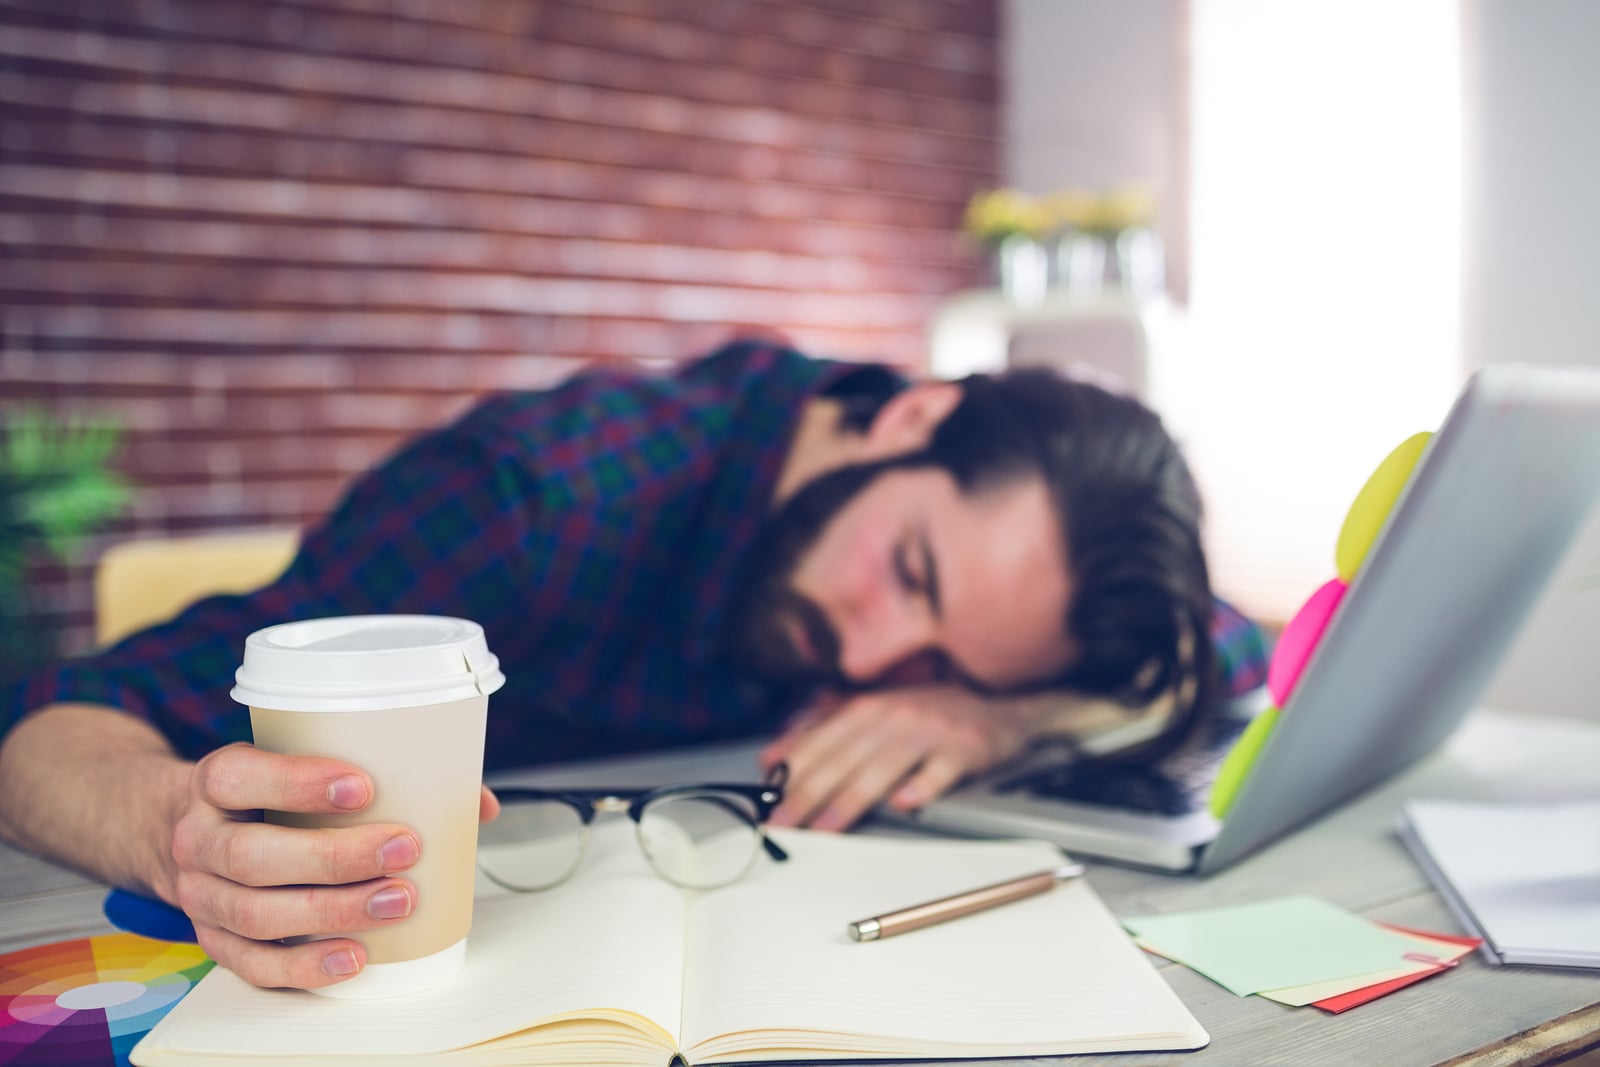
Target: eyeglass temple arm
(777, 778)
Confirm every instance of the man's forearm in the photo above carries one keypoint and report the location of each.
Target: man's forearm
(94, 789)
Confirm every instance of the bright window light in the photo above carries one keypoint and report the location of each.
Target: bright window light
(1324, 317)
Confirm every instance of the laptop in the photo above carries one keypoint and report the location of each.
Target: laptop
(1495, 500)
(1497, 496)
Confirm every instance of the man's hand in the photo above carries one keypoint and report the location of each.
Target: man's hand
(102, 791)
(905, 745)
(246, 884)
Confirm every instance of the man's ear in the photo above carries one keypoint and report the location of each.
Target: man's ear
(907, 420)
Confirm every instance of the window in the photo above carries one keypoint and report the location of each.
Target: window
(1324, 320)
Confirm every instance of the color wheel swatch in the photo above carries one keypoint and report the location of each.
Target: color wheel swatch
(88, 1002)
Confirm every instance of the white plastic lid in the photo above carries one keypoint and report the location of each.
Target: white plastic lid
(366, 663)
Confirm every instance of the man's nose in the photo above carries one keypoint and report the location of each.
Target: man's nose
(873, 650)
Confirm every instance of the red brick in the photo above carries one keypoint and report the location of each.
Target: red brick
(277, 240)
(810, 227)
(310, 77)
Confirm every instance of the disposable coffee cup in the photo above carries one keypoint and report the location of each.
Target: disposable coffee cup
(405, 698)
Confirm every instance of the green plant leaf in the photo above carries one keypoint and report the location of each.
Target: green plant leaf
(65, 510)
(55, 485)
(37, 445)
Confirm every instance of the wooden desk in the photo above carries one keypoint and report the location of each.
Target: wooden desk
(1475, 1014)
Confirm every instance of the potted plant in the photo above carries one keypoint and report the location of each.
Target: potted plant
(1011, 225)
(1094, 228)
(1079, 245)
(56, 487)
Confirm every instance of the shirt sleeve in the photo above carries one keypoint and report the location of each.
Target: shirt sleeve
(1241, 650)
(433, 530)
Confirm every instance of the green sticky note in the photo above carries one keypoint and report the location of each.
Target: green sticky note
(1271, 944)
(1239, 760)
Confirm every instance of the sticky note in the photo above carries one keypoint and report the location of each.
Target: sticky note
(1272, 944)
(1237, 763)
(1428, 954)
(1373, 504)
(1300, 637)
(1357, 997)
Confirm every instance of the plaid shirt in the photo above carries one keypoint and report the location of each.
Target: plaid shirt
(593, 530)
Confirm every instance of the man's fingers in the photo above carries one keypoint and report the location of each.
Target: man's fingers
(262, 854)
(270, 914)
(902, 748)
(874, 781)
(797, 729)
(308, 966)
(848, 765)
(488, 805)
(930, 781)
(884, 756)
(819, 759)
(241, 777)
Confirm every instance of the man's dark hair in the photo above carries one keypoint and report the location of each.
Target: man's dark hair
(1141, 608)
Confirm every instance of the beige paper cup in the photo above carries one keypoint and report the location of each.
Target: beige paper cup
(403, 697)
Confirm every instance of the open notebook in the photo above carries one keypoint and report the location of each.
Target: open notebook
(618, 966)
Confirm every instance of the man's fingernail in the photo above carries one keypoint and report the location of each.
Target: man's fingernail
(340, 964)
(349, 792)
(398, 853)
(391, 903)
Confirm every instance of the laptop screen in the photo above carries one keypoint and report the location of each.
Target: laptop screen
(1490, 509)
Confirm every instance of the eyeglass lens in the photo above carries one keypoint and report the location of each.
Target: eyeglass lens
(700, 840)
(533, 844)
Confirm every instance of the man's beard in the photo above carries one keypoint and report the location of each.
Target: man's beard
(765, 603)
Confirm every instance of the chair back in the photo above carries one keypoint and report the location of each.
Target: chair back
(140, 583)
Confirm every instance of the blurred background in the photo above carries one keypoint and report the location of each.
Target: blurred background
(250, 245)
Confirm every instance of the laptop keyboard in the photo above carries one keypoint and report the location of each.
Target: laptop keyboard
(1178, 785)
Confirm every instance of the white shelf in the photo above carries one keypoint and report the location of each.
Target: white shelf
(972, 332)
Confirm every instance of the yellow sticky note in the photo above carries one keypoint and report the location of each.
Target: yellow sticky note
(1373, 504)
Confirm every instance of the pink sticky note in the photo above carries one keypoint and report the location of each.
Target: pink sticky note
(1299, 638)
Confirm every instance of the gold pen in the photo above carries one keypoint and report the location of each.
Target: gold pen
(954, 907)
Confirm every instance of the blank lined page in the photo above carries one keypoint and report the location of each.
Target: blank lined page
(1053, 973)
(529, 957)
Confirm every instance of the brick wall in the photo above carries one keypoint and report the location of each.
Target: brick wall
(274, 238)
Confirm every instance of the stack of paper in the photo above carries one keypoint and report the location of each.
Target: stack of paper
(1298, 950)
(1523, 875)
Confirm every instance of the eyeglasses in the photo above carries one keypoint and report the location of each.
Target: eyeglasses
(695, 836)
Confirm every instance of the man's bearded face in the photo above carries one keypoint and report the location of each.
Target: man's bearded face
(767, 609)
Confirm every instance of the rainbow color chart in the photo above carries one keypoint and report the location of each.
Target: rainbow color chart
(88, 1002)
